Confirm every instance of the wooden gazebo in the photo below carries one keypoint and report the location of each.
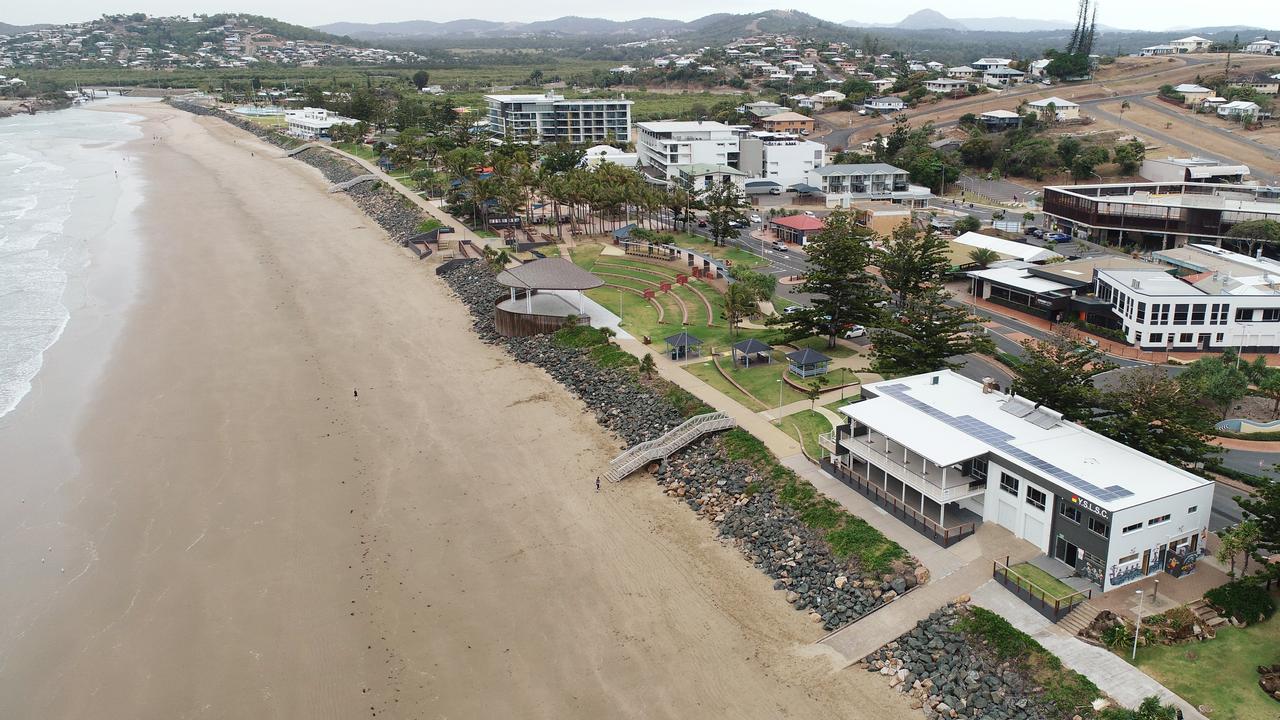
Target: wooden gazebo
(682, 345)
(750, 351)
(807, 363)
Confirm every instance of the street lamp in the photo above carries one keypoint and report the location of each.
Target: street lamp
(1137, 628)
(780, 384)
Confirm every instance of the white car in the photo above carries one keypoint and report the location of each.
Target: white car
(854, 331)
(780, 246)
(755, 218)
(809, 213)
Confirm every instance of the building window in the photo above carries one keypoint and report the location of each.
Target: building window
(1009, 484)
(978, 469)
(1127, 559)
(1070, 512)
(1142, 312)
(1271, 315)
(1157, 337)
(1180, 314)
(1197, 314)
(1098, 526)
(1244, 314)
(1186, 338)
(1192, 509)
(1158, 520)
(1130, 528)
(1035, 498)
(1218, 314)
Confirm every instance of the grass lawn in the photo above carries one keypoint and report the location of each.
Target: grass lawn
(1043, 581)
(806, 426)
(761, 381)
(359, 150)
(851, 396)
(1221, 672)
(820, 344)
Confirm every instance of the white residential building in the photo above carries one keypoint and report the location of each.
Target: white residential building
(990, 63)
(943, 86)
(1191, 43)
(662, 146)
(1061, 109)
(1240, 108)
(594, 156)
(1263, 46)
(843, 185)
(952, 452)
(1155, 50)
(964, 72)
(784, 158)
(1001, 76)
(886, 104)
(554, 118)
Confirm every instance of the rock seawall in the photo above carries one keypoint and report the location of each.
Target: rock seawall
(833, 591)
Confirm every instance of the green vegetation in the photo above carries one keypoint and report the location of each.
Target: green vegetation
(850, 536)
(1219, 673)
(1245, 600)
(820, 344)
(805, 426)
(360, 150)
(601, 351)
(1033, 578)
(762, 381)
(1068, 690)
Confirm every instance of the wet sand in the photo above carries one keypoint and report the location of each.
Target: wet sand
(243, 537)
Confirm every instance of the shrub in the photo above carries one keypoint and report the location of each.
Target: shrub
(1245, 600)
(1116, 636)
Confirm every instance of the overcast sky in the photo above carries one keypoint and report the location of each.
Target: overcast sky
(1117, 13)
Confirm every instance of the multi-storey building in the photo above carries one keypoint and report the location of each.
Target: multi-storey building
(554, 118)
(1214, 299)
(1159, 214)
(844, 184)
(781, 157)
(665, 146)
(949, 452)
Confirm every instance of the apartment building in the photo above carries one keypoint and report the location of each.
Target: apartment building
(664, 146)
(844, 185)
(313, 123)
(789, 122)
(950, 452)
(554, 118)
(784, 158)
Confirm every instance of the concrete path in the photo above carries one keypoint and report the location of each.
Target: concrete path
(1125, 683)
(863, 637)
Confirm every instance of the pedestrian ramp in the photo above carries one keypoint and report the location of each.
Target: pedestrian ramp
(675, 439)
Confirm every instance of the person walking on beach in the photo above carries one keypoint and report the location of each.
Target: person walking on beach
(355, 393)
(597, 483)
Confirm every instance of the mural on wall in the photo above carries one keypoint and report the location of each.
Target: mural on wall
(1120, 576)
(1181, 562)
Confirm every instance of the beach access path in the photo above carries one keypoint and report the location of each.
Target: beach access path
(306, 489)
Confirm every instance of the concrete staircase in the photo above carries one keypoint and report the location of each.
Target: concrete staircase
(348, 184)
(637, 456)
(1079, 618)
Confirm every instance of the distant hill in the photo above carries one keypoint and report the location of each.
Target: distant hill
(934, 20)
(569, 25)
(7, 29)
(929, 20)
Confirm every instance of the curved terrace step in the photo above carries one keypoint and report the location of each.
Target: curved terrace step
(348, 184)
(684, 309)
(653, 301)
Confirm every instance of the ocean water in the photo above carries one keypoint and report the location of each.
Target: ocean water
(59, 181)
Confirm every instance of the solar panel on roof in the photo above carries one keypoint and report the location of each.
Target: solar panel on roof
(1018, 406)
(999, 440)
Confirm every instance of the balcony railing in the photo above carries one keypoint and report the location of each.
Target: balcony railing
(916, 478)
(944, 536)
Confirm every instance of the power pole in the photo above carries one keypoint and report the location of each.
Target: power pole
(1227, 75)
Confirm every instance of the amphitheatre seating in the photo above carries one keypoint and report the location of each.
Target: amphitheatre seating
(652, 301)
(684, 309)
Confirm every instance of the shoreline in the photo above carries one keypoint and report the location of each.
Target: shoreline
(246, 537)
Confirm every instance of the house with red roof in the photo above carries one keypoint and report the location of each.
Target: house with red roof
(796, 228)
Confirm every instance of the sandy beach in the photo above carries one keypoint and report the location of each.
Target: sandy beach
(241, 536)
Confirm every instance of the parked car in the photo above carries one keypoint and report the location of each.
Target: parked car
(810, 213)
(775, 191)
(1058, 237)
(792, 309)
(1034, 232)
(702, 223)
(779, 246)
(737, 223)
(755, 218)
(854, 331)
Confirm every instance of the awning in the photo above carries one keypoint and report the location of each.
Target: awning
(805, 188)
(751, 345)
(684, 339)
(806, 356)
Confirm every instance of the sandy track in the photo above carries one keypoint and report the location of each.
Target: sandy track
(257, 542)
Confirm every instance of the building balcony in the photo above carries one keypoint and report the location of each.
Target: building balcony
(940, 484)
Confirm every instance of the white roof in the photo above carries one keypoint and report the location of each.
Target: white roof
(1018, 278)
(1057, 102)
(1000, 114)
(684, 126)
(1191, 39)
(1154, 282)
(1008, 248)
(1191, 88)
(1081, 461)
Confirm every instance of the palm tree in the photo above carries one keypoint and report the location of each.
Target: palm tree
(739, 302)
(983, 257)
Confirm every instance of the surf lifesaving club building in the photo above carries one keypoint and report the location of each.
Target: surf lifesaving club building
(956, 447)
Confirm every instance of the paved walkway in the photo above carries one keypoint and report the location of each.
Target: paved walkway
(1125, 683)
(970, 562)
